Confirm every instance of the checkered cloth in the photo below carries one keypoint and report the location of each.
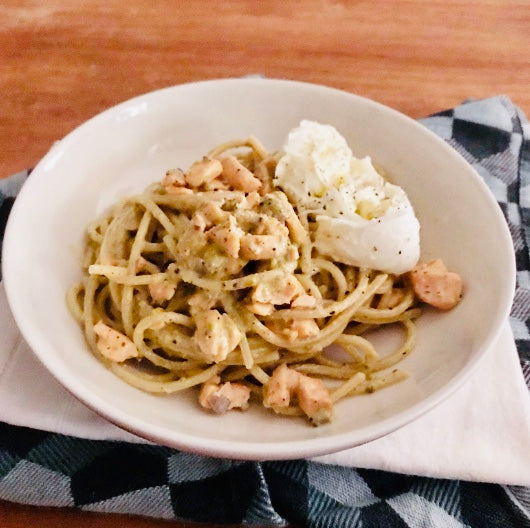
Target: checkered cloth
(42, 468)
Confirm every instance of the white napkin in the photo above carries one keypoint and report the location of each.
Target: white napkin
(481, 433)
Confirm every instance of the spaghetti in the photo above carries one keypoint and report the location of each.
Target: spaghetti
(210, 278)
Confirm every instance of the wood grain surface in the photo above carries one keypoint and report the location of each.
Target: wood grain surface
(63, 62)
(19, 516)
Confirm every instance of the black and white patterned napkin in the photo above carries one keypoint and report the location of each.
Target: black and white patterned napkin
(42, 468)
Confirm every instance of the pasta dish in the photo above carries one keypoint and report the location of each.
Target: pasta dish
(212, 279)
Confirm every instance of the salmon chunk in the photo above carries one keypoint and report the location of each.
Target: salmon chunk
(161, 291)
(238, 176)
(113, 344)
(228, 237)
(312, 395)
(304, 301)
(222, 398)
(213, 213)
(302, 328)
(203, 171)
(434, 284)
(278, 290)
(216, 335)
(263, 247)
(174, 181)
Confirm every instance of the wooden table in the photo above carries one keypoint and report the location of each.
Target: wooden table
(63, 62)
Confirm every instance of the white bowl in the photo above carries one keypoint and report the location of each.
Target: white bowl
(123, 149)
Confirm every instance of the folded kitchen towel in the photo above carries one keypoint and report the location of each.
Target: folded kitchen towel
(489, 414)
(481, 433)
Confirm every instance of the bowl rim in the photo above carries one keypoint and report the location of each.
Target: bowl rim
(290, 449)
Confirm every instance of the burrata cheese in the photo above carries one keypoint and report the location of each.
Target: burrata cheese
(361, 219)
